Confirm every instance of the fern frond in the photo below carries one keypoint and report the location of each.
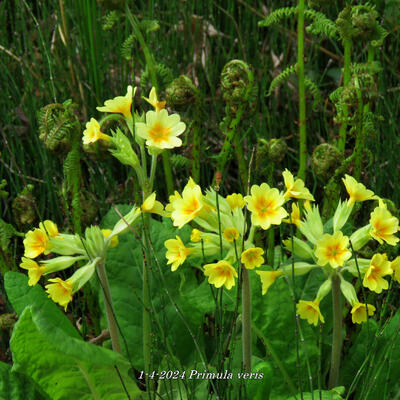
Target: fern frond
(164, 78)
(276, 16)
(282, 77)
(372, 68)
(320, 24)
(314, 90)
(178, 161)
(109, 20)
(382, 33)
(7, 231)
(126, 47)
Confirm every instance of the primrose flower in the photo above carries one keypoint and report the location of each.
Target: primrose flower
(188, 206)
(265, 205)
(252, 258)
(195, 236)
(161, 130)
(231, 234)
(36, 242)
(357, 191)
(295, 188)
(332, 249)
(309, 310)
(295, 215)
(384, 226)
(177, 252)
(50, 228)
(151, 205)
(235, 201)
(92, 133)
(359, 312)
(221, 273)
(60, 291)
(379, 267)
(35, 271)
(120, 104)
(395, 265)
(268, 278)
(114, 239)
(153, 100)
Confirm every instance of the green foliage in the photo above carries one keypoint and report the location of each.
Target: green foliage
(7, 232)
(314, 90)
(15, 386)
(282, 77)
(163, 74)
(44, 340)
(320, 24)
(110, 19)
(334, 394)
(275, 17)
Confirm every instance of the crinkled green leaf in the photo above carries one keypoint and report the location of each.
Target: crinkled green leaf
(66, 367)
(15, 386)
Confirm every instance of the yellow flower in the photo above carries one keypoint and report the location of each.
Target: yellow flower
(161, 130)
(177, 252)
(252, 258)
(153, 100)
(357, 191)
(265, 205)
(378, 267)
(49, 227)
(295, 215)
(395, 265)
(172, 198)
(187, 207)
(384, 226)
(35, 271)
(195, 236)
(92, 132)
(36, 242)
(359, 312)
(295, 188)
(268, 278)
(60, 292)
(309, 310)
(332, 249)
(151, 205)
(114, 240)
(235, 201)
(221, 273)
(231, 234)
(120, 104)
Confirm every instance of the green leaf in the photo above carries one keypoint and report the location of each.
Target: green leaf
(334, 394)
(15, 386)
(66, 367)
(21, 295)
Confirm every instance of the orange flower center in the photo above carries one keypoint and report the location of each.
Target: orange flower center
(159, 133)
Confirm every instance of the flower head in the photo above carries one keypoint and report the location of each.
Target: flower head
(384, 226)
(151, 205)
(195, 236)
(60, 291)
(36, 242)
(378, 268)
(309, 310)
(188, 206)
(92, 133)
(50, 228)
(295, 188)
(359, 312)
(235, 201)
(252, 258)
(35, 271)
(161, 130)
(268, 278)
(231, 234)
(294, 216)
(357, 191)
(177, 252)
(221, 273)
(265, 205)
(332, 249)
(120, 104)
(395, 265)
(114, 239)
(153, 100)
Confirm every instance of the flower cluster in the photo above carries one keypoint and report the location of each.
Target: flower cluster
(221, 233)
(328, 248)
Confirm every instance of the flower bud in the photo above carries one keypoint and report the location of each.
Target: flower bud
(325, 159)
(180, 93)
(348, 291)
(324, 289)
(300, 248)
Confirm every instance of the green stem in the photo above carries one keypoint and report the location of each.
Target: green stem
(112, 323)
(346, 80)
(337, 333)
(302, 93)
(246, 320)
(240, 159)
(167, 171)
(152, 172)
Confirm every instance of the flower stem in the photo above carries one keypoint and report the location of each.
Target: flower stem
(302, 92)
(246, 320)
(112, 323)
(337, 333)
